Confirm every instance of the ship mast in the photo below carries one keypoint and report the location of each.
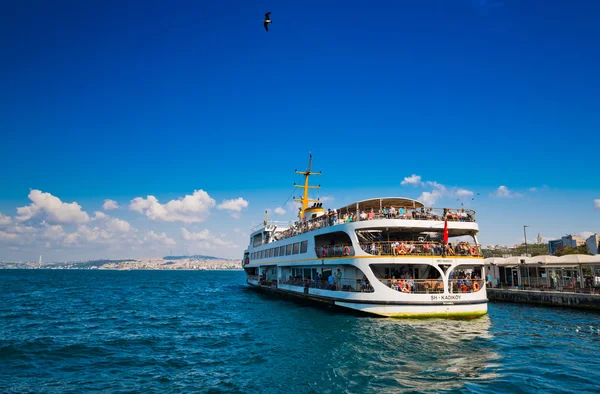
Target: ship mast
(305, 200)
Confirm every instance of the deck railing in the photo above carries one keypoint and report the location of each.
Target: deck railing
(344, 284)
(415, 286)
(465, 285)
(435, 214)
(339, 250)
(418, 248)
(401, 248)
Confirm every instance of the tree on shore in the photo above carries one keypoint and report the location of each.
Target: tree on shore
(565, 250)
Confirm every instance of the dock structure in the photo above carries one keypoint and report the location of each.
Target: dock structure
(570, 281)
(550, 298)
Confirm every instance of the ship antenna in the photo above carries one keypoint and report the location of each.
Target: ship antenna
(305, 200)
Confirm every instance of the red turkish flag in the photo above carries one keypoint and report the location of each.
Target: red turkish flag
(446, 231)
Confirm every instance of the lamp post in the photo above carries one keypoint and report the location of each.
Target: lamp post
(525, 234)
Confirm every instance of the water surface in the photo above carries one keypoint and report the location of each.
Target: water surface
(184, 331)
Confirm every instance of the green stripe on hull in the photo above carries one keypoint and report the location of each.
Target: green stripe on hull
(444, 315)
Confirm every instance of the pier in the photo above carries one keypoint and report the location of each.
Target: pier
(554, 298)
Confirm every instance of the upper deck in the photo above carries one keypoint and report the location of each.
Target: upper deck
(392, 212)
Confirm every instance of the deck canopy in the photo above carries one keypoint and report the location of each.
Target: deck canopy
(566, 260)
(383, 202)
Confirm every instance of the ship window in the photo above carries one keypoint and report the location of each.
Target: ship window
(271, 252)
(303, 246)
(296, 248)
(276, 250)
(288, 249)
(262, 254)
(282, 251)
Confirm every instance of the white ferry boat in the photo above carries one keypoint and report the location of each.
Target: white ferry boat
(388, 256)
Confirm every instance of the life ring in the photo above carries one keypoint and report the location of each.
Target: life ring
(323, 252)
(476, 286)
(346, 250)
(405, 287)
(401, 249)
(473, 251)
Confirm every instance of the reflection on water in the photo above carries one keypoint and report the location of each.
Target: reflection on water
(423, 355)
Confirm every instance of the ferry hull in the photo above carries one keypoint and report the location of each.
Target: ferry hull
(387, 308)
(420, 311)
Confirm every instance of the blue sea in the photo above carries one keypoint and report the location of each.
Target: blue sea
(194, 331)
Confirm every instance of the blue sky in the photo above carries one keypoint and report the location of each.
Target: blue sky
(119, 100)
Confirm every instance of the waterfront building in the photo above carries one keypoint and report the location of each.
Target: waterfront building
(593, 243)
(568, 240)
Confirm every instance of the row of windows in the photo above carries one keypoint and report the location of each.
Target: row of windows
(285, 250)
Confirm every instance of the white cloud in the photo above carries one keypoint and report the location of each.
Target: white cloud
(5, 220)
(597, 203)
(233, 205)
(463, 193)
(280, 211)
(205, 237)
(6, 236)
(52, 208)
(236, 230)
(326, 199)
(99, 215)
(414, 180)
(504, 192)
(429, 198)
(161, 239)
(118, 225)
(189, 209)
(110, 204)
(439, 191)
(54, 232)
(20, 229)
(189, 236)
(533, 189)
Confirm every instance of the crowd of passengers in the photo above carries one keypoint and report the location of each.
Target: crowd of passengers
(460, 281)
(396, 248)
(464, 282)
(332, 217)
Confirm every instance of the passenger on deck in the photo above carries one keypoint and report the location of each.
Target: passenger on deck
(402, 213)
(364, 283)
(392, 214)
(374, 249)
(395, 247)
(363, 215)
(338, 279)
(427, 248)
(371, 215)
(331, 282)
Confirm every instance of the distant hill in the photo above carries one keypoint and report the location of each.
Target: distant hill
(194, 257)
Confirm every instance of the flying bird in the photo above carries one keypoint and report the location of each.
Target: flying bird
(267, 20)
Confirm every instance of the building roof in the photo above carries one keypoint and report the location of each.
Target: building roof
(385, 202)
(569, 259)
